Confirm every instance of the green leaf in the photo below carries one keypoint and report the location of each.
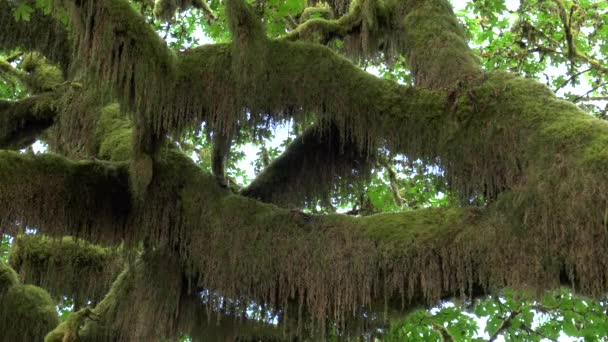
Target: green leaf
(23, 12)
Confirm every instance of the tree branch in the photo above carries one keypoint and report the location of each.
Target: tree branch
(80, 270)
(41, 33)
(21, 122)
(60, 197)
(315, 163)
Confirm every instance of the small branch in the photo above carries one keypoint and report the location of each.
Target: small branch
(506, 324)
(207, 11)
(14, 56)
(581, 97)
(571, 78)
(392, 176)
(445, 334)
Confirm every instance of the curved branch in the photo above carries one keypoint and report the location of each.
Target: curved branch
(21, 122)
(80, 270)
(312, 165)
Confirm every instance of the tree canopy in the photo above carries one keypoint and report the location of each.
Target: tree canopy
(451, 171)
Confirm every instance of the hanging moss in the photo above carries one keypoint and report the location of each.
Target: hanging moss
(41, 33)
(340, 7)
(312, 167)
(497, 137)
(61, 197)
(27, 313)
(166, 9)
(82, 271)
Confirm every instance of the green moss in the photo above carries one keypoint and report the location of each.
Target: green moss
(435, 45)
(316, 12)
(412, 229)
(8, 277)
(68, 331)
(42, 76)
(114, 135)
(59, 197)
(27, 313)
(66, 267)
(41, 33)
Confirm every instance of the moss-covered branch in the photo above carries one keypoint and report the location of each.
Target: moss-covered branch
(21, 122)
(315, 163)
(60, 197)
(166, 9)
(126, 312)
(436, 45)
(41, 33)
(80, 270)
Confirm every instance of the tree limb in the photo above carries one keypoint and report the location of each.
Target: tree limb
(41, 33)
(80, 270)
(313, 164)
(22, 121)
(60, 197)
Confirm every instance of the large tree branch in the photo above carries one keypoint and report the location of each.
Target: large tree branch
(271, 255)
(61, 197)
(312, 165)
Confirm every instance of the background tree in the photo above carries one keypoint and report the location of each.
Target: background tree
(134, 231)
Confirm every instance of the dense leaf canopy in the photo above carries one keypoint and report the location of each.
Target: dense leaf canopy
(415, 172)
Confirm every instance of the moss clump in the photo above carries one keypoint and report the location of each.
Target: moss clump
(113, 134)
(27, 313)
(42, 76)
(8, 277)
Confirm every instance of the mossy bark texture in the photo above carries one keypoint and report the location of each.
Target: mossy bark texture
(190, 257)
